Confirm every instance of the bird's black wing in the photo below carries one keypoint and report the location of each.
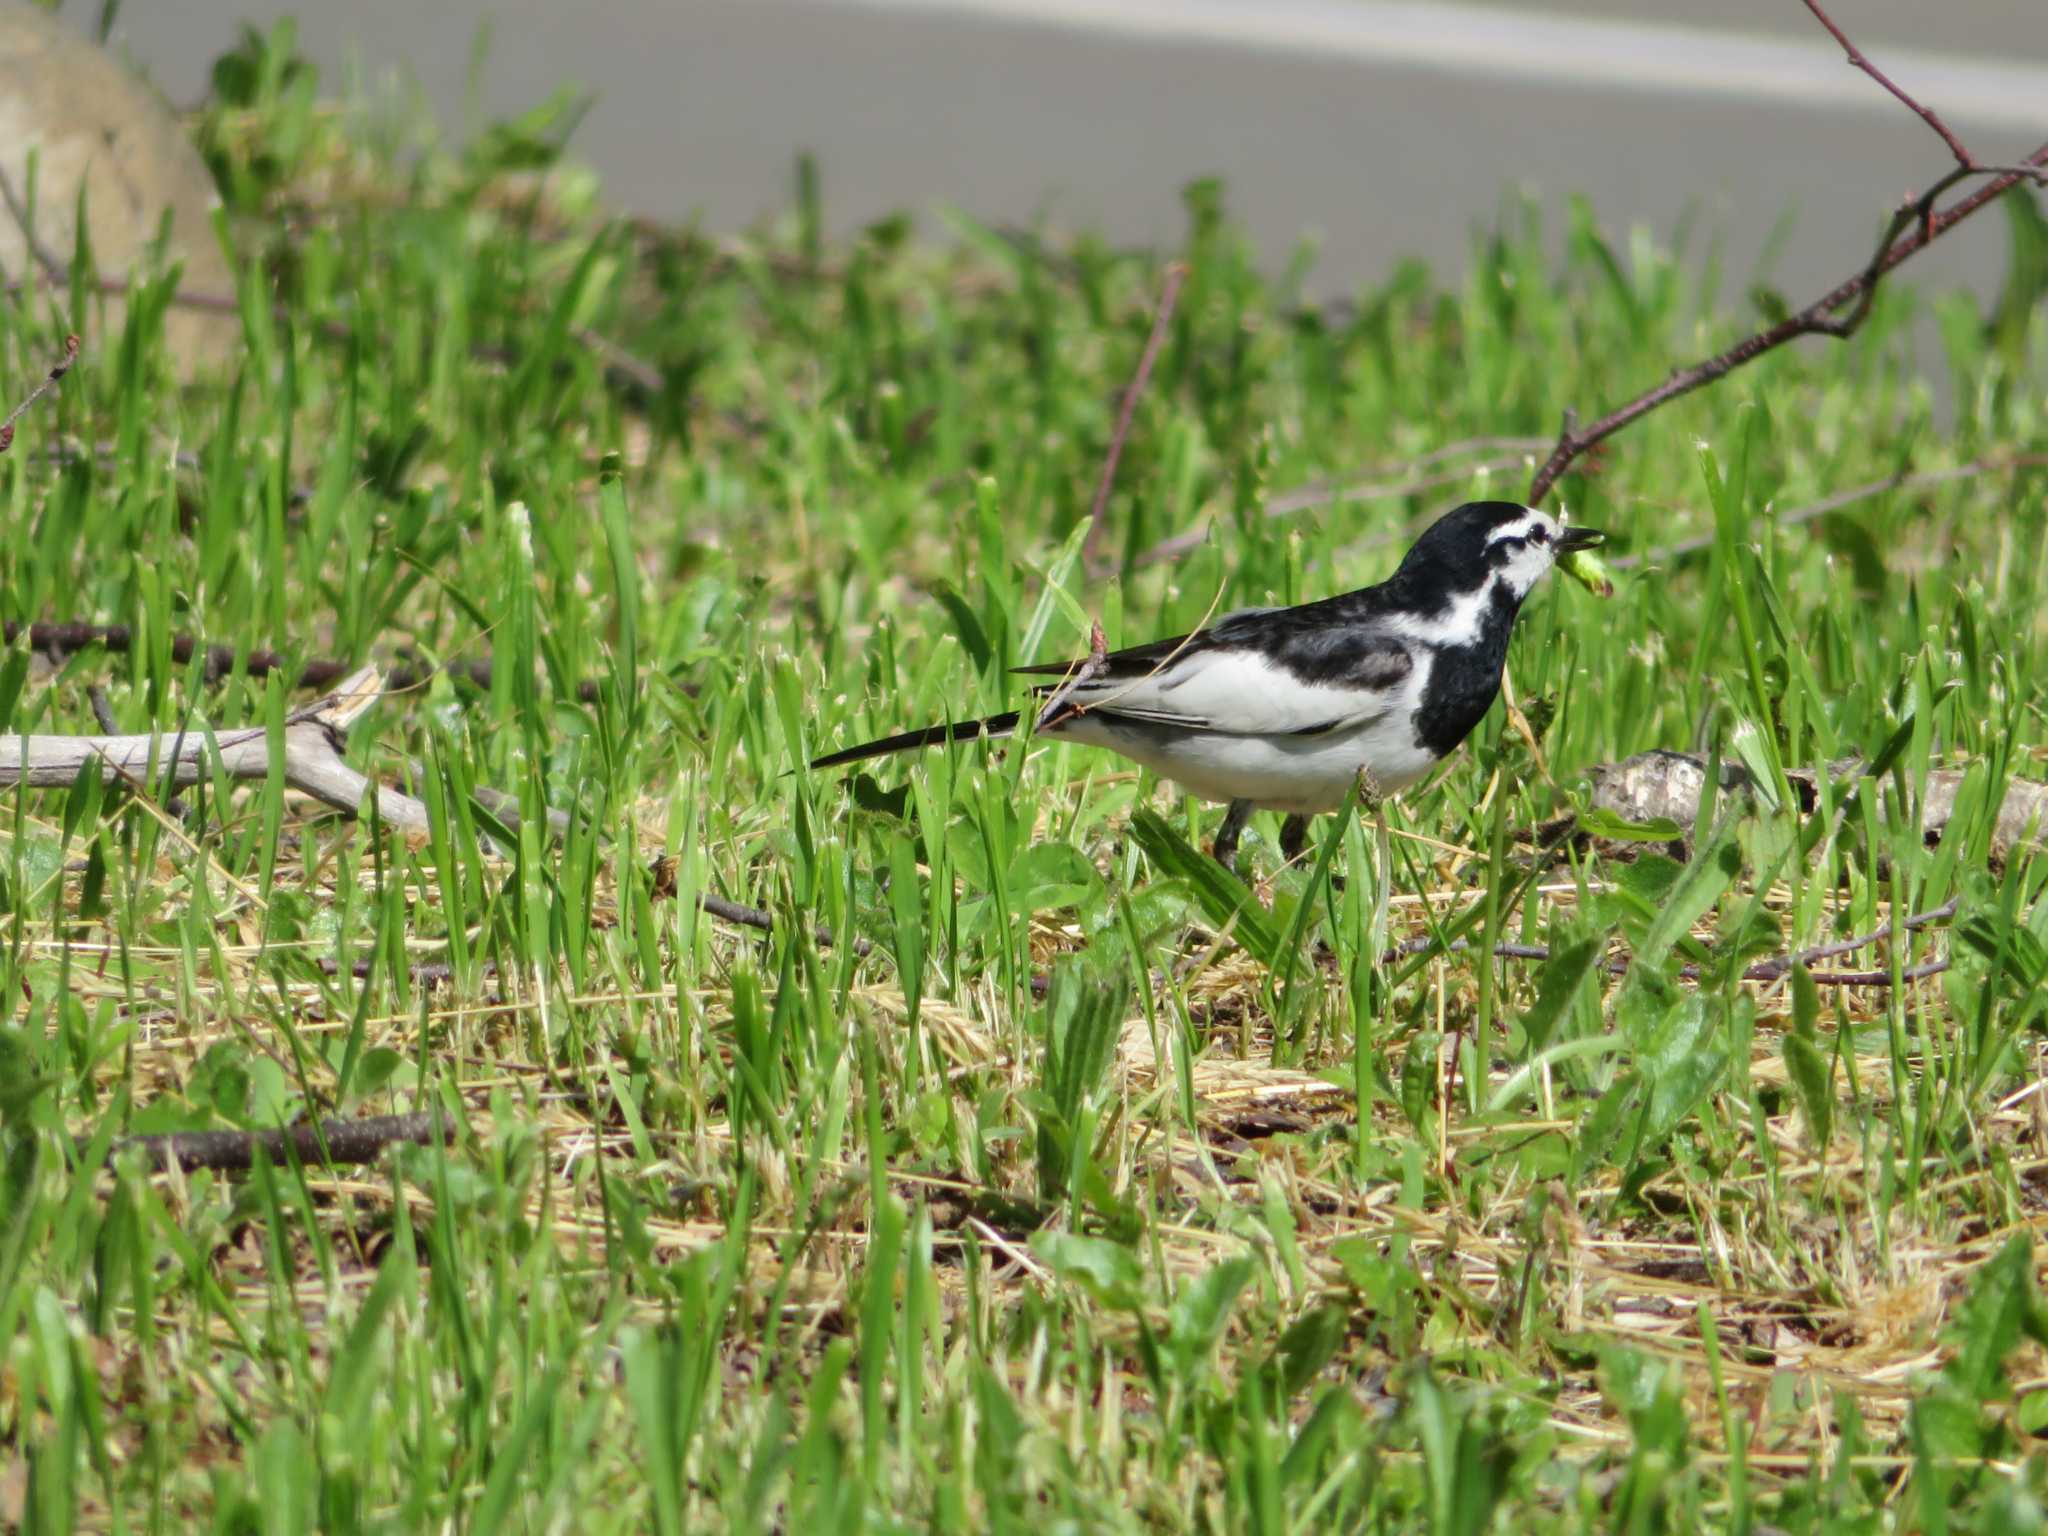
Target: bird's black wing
(1268, 672)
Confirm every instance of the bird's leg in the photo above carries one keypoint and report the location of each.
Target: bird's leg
(1293, 837)
(1224, 849)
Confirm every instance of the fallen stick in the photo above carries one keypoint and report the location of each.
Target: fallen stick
(664, 888)
(329, 1141)
(313, 763)
(70, 635)
(1777, 968)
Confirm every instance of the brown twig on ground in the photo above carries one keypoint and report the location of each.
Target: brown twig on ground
(1169, 296)
(1777, 968)
(49, 382)
(423, 973)
(183, 459)
(1771, 970)
(1818, 318)
(664, 872)
(621, 362)
(62, 639)
(330, 1141)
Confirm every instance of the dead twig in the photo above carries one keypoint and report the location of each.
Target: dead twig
(754, 917)
(50, 381)
(313, 763)
(65, 638)
(664, 873)
(312, 760)
(1771, 970)
(1777, 968)
(328, 1141)
(1856, 57)
(1820, 318)
(1169, 296)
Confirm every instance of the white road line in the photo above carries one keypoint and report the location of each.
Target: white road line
(1549, 49)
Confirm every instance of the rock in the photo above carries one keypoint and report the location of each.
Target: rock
(1661, 785)
(91, 124)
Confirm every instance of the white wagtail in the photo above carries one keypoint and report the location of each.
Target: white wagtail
(1286, 708)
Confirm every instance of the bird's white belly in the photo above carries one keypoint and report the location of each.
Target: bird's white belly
(1296, 774)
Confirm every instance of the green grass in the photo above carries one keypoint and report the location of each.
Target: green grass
(1089, 1193)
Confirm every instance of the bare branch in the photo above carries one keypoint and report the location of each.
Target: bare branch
(1902, 241)
(313, 763)
(50, 381)
(1169, 296)
(1817, 319)
(1856, 57)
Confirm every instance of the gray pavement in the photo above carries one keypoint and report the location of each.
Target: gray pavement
(1380, 129)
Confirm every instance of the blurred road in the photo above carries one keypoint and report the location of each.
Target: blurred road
(1383, 129)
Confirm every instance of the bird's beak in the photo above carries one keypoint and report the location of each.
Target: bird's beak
(1571, 540)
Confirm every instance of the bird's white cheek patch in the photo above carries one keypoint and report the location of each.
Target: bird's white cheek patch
(1528, 567)
(1457, 625)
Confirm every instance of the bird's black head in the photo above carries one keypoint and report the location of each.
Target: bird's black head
(1473, 545)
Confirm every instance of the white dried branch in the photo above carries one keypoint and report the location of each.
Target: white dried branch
(312, 760)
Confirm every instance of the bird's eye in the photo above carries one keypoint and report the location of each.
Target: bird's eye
(1541, 535)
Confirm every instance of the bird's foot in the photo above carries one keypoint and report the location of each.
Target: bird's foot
(1293, 838)
(1224, 849)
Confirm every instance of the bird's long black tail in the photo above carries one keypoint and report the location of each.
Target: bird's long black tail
(994, 726)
